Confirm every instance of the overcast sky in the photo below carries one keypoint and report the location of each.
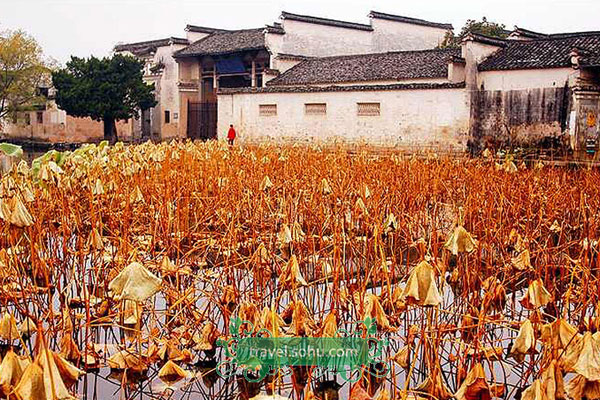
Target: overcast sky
(84, 27)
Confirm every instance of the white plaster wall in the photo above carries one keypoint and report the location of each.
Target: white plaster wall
(436, 118)
(395, 36)
(169, 92)
(283, 65)
(195, 36)
(525, 78)
(318, 40)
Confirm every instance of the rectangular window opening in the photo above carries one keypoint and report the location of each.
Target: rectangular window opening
(167, 117)
(369, 109)
(267, 110)
(315, 109)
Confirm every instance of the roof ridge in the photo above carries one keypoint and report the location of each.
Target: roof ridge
(147, 42)
(343, 56)
(409, 20)
(325, 21)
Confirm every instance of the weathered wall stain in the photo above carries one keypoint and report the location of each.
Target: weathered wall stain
(525, 117)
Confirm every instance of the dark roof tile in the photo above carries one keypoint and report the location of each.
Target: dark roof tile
(148, 45)
(370, 67)
(325, 21)
(226, 42)
(409, 20)
(201, 29)
(351, 88)
(552, 52)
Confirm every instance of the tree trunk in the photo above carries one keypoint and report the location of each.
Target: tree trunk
(110, 130)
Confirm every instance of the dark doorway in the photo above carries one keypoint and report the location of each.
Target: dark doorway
(202, 120)
(146, 124)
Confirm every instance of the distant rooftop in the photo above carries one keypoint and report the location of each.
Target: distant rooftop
(145, 47)
(201, 29)
(551, 51)
(392, 66)
(409, 20)
(226, 42)
(325, 21)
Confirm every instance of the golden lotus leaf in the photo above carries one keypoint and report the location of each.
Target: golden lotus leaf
(20, 216)
(522, 262)
(536, 295)
(421, 288)
(475, 385)
(525, 341)
(402, 357)
(266, 184)
(10, 373)
(579, 388)
(434, 386)
(460, 241)
(172, 373)
(291, 276)
(8, 327)
(135, 282)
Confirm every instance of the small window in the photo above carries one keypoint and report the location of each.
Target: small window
(267, 110)
(40, 117)
(167, 117)
(369, 109)
(315, 109)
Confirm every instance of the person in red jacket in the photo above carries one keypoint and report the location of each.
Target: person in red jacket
(231, 135)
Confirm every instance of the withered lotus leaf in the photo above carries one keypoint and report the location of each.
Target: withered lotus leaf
(266, 184)
(525, 341)
(402, 357)
(325, 187)
(588, 361)
(435, 387)
(10, 373)
(208, 337)
(135, 282)
(460, 241)
(536, 296)
(475, 385)
(31, 386)
(535, 392)
(291, 275)
(560, 334)
(579, 388)
(329, 326)
(374, 310)
(522, 261)
(553, 383)
(20, 216)
(126, 359)
(8, 327)
(172, 373)
(421, 288)
(271, 321)
(358, 392)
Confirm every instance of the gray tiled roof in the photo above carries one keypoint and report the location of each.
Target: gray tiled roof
(226, 42)
(409, 20)
(147, 46)
(551, 52)
(325, 21)
(350, 88)
(370, 67)
(201, 29)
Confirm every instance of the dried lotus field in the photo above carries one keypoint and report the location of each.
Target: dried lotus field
(122, 267)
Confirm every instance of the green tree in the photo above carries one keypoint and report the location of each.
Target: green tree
(107, 90)
(483, 27)
(22, 70)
